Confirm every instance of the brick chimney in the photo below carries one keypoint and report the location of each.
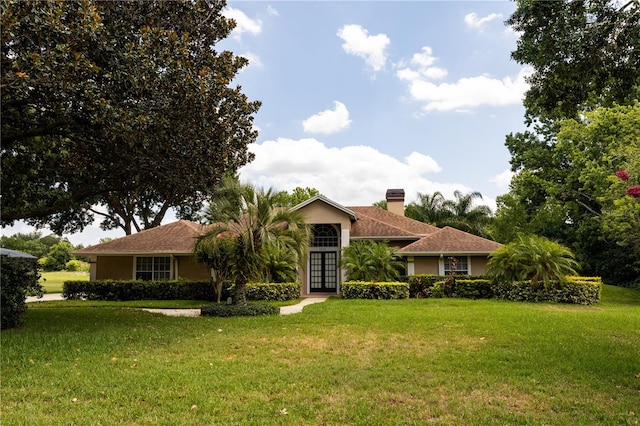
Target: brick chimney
(395, 201)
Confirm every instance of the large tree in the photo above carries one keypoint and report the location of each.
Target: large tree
(585, 57)
(127, 105)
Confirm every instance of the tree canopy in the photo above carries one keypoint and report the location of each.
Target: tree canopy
(127, 105)
(582, 113)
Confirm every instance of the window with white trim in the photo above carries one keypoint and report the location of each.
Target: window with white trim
(156, 268)
(462, 268)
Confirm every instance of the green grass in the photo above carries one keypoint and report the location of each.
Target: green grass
(428, 361)
(53, 281)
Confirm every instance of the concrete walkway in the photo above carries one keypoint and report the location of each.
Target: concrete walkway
(284, 310)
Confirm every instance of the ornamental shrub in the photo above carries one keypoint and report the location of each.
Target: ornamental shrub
(575, 290)
(139, 290)
(273, 291)
(19, 276)
(239, 310)
(420, 285)
(374, 290)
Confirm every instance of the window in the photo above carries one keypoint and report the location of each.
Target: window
(153, 268)
(324, 236)
(462, 268)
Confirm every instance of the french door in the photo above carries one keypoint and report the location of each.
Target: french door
(323, 271)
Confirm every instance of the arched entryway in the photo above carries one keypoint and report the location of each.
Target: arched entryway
(323, 259)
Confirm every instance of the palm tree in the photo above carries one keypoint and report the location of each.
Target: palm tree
(428, 209)
(463, 215)
(532, 258)
(255, 223)
(371, 261)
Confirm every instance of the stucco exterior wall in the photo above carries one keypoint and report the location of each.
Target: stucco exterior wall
(319, 212)
(189, 269)
(114, 268)
(426, 265)
(478, 265)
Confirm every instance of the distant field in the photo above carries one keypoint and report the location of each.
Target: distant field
(53, 281)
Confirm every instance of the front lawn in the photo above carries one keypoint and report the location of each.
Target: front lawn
(427, 361)
(54, 281)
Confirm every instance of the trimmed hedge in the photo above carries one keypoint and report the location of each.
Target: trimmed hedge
(272, 291)
(250, 310)
(421, 284)
(466, 289)
(172, 290)
(139, 290)
(374, 290)
(576, 290)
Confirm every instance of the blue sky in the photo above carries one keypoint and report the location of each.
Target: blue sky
(358, 97)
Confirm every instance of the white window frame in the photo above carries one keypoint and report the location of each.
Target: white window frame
(441, 265)
(153, 271)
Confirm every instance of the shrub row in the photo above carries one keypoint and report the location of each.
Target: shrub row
(273, 291)
(138, 290)
(239, 310)
(172, 290)
(421, 284)
(374, 290)
(577, 290)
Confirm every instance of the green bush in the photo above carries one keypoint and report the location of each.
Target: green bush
(272, 291)
(139, 290)
(75, 265)
(374, 290)
(19, 277)
(575, 290)
(420, 285)
(239, 310)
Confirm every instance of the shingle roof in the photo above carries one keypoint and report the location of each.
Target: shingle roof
(176, 238)
(451, 240)
(376, 222)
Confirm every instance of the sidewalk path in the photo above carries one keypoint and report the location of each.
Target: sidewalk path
(284, 310)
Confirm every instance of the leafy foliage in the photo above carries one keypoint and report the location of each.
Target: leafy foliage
(138, 290)
(256, 224)
(532, 258)
(19, 277)
(582, 113)
(374, 290)
(251, 310)
(368, 260)
(460, 213)
(109, 103)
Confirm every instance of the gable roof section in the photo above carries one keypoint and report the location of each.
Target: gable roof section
(376, 222)
(173, 238)
(451, 240)
(322, 198)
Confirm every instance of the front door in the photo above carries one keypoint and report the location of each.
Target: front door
(323, 271)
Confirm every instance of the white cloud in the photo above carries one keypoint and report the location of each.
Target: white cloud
(472, 20)
(254, 61)
(328, 121)
(352, 175)
(244, 24)
(358, 42)
(466, 93)
(272, 11)
(503, 179)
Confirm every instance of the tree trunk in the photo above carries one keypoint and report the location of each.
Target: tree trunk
(240, 296)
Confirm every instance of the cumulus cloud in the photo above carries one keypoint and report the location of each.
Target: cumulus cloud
(272, 11)
(503, 179)
(254, 61)
(352, 175)
(244, 24)
(328, 121)
(473, 21)
(358, 42)
(464, 94)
